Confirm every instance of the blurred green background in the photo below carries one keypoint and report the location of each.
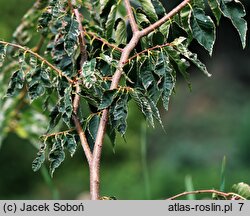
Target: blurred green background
(202, 126)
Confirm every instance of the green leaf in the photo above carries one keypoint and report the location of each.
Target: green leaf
(88, 73)
(159, 9)
(111, 134)
(93, 126)
(71, 38)
(111, 21)
(107, 99)
(119, 113)
(142, 19)
(181, 63)
(56, 155)
(215, 9)
(235, 11)
(156, 112)
(37, 80)
(203, 29)
(198, 4)
(103, 4)
(145, 73)
(70, 144)
(16, 83)
(37, 163)
(143, 104)
(109, 60)
(54, 118)
(3, 50)
(121, 32)
(66, 107)
(163, 69)
(189, 55)
(149, 9)
(242, 189)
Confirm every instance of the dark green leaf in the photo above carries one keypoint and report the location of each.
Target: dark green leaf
(37, 163)
(159, 9)
(143, 104)
(70, 144)
(181, 63)
(54, 118)
(235, 11)
(66, 107)
(16, 83)
(119, 112)
(178, 43)
(56, 155)
(158, 38)
(145, 72)
(203, 29)
(107, 99)
(71, 38)
(242, 189)
(215, 9)
(199, 4)
(93, 126)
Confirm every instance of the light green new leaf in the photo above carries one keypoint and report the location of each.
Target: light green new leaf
(56, 155)
(111, 21)
(215, 9)
(242, 189)
(37, 163)
(203, 29)
(107, 99)
(235, 11)
(189, 55)
(121, 32)
(16, 83)
(119, 113)
(149, 9)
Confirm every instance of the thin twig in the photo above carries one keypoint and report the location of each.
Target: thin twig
(146, 50)
(60, 73)
(58, 133)
(205, 191)
(161, 21)
(102, 40)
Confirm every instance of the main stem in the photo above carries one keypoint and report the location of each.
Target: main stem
(137, 35)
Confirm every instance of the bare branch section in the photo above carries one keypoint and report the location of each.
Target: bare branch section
(226, 195)
(57, 70)
(131, 17)
(137, 35)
